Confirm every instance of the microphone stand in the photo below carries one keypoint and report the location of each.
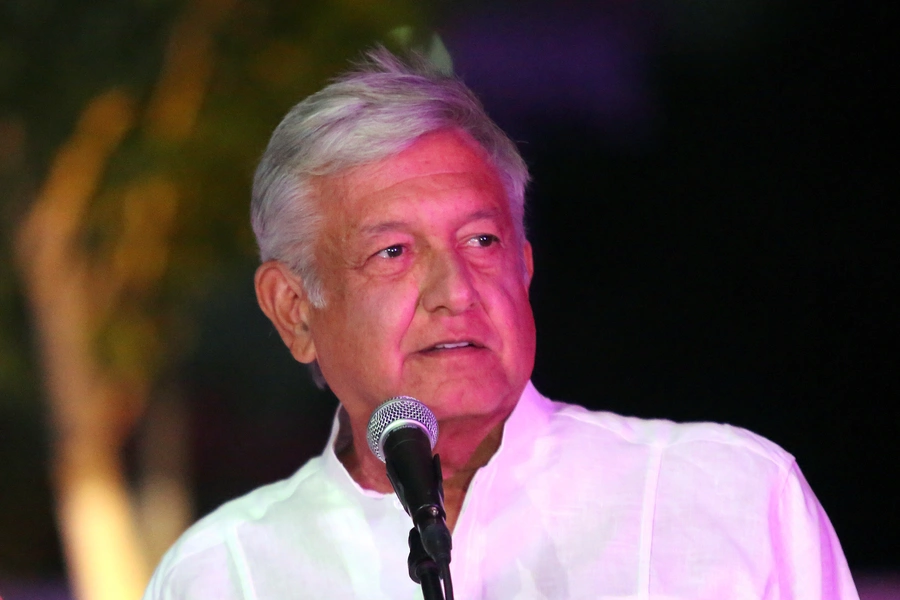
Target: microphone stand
(423, 499)
(423, 569)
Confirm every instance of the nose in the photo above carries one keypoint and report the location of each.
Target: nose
(448, 284)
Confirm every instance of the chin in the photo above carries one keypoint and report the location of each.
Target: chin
(474, 399)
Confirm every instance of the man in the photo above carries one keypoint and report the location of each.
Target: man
(389, 214)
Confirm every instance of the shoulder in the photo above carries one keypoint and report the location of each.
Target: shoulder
(703, 441)
(204, 554)
(255, 506)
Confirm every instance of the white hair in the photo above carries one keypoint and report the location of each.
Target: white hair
(372, 112)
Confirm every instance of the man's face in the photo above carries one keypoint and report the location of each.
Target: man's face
(426, 286)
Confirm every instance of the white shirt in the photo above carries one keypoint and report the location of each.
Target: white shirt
(574, 504)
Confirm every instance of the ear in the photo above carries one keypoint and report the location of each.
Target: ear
(282, 297)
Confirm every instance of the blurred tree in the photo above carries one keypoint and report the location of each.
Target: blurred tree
(129, 134)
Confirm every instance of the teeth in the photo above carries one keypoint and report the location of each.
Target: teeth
(455, 345)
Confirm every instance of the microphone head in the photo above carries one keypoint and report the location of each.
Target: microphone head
(397, 413)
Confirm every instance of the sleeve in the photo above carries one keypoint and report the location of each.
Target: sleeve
(809, 561)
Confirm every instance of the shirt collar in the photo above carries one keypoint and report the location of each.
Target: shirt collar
(524, 425)
(340, 438)
(528, 418)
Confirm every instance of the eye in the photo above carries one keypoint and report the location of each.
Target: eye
(484, 240)
(391, 251)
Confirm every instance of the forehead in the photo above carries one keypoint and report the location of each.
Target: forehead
(441, 152)
(437, 163)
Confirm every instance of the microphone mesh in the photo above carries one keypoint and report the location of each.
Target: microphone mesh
(398, 412)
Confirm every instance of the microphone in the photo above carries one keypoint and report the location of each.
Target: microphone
(402, 433)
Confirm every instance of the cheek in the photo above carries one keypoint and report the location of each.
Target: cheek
(526, 333)
(383, 312)
(358, 338)
(513, 293)
(519, 321)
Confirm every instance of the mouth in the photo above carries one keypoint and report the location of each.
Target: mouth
(445, 346)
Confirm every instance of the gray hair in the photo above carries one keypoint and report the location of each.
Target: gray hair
(372, 112)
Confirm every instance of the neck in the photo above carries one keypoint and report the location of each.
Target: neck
(465, 446)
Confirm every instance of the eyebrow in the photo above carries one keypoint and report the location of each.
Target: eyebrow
(386, 226)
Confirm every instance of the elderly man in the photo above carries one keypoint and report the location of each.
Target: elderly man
(389, 214)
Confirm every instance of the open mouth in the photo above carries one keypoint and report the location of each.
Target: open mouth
(452, 346)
